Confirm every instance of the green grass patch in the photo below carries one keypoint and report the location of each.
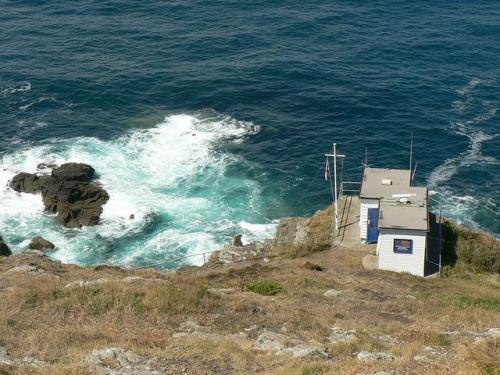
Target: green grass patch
(314, 369)
(265, 287)
(313, 266)
(464, 301)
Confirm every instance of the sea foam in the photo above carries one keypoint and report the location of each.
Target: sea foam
(170, 195)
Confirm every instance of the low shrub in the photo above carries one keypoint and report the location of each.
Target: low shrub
(472, 250)
(265, 287)
(315, 369)
(464, 301)
(313, 266)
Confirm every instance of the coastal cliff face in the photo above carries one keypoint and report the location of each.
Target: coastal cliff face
(294, 237)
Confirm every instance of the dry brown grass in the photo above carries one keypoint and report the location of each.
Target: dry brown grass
(42, 318)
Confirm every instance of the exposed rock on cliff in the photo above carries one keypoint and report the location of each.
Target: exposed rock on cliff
(295, 236)
(68, 191)
(4, 249)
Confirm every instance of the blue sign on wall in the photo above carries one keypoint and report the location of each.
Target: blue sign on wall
(403, 246)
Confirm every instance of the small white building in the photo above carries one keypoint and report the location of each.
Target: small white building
(394, 215)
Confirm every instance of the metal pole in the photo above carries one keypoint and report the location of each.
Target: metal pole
(411, 154)
(440, 238)
(335, 188)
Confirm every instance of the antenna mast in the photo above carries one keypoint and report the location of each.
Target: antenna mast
(335, 156)
(411, 154)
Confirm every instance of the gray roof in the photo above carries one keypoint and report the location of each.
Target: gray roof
(403, 216)
(372, 186)
(401, 206)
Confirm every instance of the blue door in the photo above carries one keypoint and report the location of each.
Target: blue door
(372, 225)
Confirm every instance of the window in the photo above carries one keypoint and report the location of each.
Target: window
(403, 246)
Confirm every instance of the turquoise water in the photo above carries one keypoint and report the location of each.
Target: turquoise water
(208, 119)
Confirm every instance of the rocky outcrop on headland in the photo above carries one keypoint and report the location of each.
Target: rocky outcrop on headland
(295, 236)
(4, 249)
(68, 191)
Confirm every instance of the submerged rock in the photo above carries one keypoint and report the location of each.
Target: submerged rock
(40, 243)
(68, 191)
(4, 249)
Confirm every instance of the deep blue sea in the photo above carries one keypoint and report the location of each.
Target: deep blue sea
(206, 119)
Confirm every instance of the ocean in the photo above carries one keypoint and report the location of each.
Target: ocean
(205, 119)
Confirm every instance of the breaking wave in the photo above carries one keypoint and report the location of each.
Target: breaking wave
(171, 194)
(15, 89)
(472, 116)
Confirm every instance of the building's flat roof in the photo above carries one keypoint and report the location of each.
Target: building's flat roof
(372, 187)
(389, 186)
(402, 216)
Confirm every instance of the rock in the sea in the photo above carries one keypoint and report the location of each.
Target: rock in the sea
(68, 191)
(76, 203)
(237, 240)
(4, 249)
(74, 172)
(26, 183)
(40, 243)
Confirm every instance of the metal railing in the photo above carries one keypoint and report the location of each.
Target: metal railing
(350, 189)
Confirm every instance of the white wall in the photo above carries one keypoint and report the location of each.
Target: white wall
(389, 260)
(363, 215)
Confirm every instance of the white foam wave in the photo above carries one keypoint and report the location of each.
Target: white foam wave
(467, 128)
(471, 85)
(18, 88)
(465, 95)
(252, 231)
(455, 205)
(37, 101)
(171, 178)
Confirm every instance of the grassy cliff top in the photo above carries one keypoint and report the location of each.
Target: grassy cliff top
(309, 310)
(280, 317)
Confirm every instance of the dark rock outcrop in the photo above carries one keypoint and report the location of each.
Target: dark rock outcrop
(237, 240)
(68, 191)
(4, 249)
(26, 183)
(74, 172)
(40, 243)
